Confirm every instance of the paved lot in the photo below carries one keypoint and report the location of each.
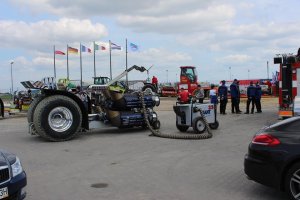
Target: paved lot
(130, 165)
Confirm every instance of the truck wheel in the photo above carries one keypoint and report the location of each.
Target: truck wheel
(57, 118)
(182, 128)
(148, 89)
(199, 125)
(214, 125)
(291, 181)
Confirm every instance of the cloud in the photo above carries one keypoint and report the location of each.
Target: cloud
(188, 22)
(238, 58)
(38, 35)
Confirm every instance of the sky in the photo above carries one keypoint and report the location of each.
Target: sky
(223, 39)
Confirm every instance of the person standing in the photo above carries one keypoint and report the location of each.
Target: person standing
(213, 95)
(155, 81)
(251, 90)
(199, 94)
(183, 96)
(239, 96)
(258, 93)
(234, 92)
(222, 93)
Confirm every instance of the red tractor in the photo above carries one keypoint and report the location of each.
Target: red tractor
(189, 80)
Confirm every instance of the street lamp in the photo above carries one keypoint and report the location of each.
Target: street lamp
(11, 75)
(229, 73)
(248, 73)
(167, 76)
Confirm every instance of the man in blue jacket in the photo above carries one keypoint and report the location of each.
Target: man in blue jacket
(234, 93)
(258, 98)
(223, 92)
(251, 90)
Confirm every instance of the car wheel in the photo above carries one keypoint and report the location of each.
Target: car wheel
(57, 118)
(292, 181)
(199, 125)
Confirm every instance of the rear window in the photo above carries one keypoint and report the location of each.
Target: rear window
(291, 124)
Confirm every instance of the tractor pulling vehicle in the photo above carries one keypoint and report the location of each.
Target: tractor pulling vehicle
(58, 115)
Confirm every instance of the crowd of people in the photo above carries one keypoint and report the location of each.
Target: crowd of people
(254, 94)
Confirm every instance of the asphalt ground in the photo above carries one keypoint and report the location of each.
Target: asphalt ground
(130, 165)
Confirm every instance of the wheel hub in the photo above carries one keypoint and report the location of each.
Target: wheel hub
(200, 125)
(60, 119)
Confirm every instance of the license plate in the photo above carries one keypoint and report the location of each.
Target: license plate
(3, 193)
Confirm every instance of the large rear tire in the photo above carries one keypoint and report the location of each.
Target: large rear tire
(57, 118)
(32, 107)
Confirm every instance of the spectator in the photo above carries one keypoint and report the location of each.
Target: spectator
(251, 90)
(222, 93)
(213, 95)
(239, 96)
(183, 96)
(155, 81)
(199, 94)
(234, 93)
(258, 98)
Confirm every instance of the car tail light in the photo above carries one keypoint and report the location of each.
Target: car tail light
(265, 139)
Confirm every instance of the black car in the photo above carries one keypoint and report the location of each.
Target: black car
(12, 177)
(273, 157)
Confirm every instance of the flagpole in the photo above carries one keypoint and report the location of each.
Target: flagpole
(126, 64)
(54, 62)
(110, 60)
(80, 69)
(68, 62)
(94, 60)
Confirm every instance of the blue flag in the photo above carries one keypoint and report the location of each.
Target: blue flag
(133, 47)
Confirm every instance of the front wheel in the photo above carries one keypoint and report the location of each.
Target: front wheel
(199, 125)
(292, 181)
(57, 118)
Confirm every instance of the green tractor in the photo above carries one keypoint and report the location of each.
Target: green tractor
(65, 84)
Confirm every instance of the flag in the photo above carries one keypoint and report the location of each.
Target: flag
(133, 47)
(85, 49)
(99, 47)
(60, 53)
(96, 47)
(72, 50)
(114, 46)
